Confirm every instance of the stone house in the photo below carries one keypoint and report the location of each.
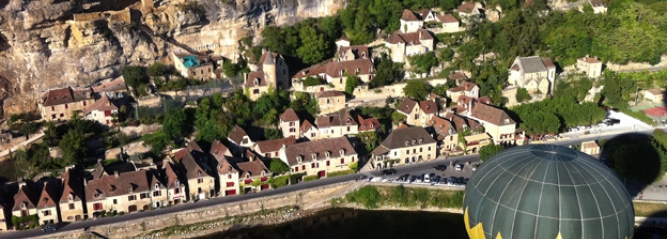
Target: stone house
(404, 44)
(466, 88)
(240, 138)
(410, 22)
(41, 202)
(272, 72)
(457, 77)
(320, 157)
(405, 145)
(417, 113)
(598, 6)
(60, 104)
(175, 189)
(590, 147)
(335, 73)
(253, 170)
(346, 52)
(337, 125)
(448, 21)
(461, 123)
(71, 204)
(496, 122)
(474, 142)
(200, 177)
(654, 95)
(115, 89)
(270, 148)
(370, 124)
(445, 133)
(590, 65)
(289, 123)
(193, 67)
(228, 174)
(309, 131)
(469, 12)
(330, 101)
(102, 111)
(534, 73)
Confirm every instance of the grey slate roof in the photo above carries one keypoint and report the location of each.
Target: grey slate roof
(539, 191)
(398, 138)
(532, 64)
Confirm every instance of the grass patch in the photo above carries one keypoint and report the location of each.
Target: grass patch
(653, 209)
(372, 196)
(341, 173)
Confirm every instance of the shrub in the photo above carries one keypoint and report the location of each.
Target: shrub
(310, 178)
(367, 196)
(277, 182)
(340, 173)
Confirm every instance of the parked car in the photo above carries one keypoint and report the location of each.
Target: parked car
(459, 167)
(450, 181)
(440, 167)
(442, 180)
(390, 171)
(49, 228)
(474, 167)
(427, 178)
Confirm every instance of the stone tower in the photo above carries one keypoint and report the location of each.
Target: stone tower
(269, 68)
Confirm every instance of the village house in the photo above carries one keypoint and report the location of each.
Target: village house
(253, 174)
(417, 113)
(71, 200)
(337, 125)
(270, 148)
(320, 157)
(61, 104)
(590, 65)
(200, 183)
(240, 138)
(403, 44)
(25, 202)
(272, 72)
(335, 73)
(496, 122)
(309, 131)
(534, 73)
(462, 123)
(590, 147)
(41, 202)
(458, 77)
(598, 6)
(102, 111)
(469, 12)
(228, 174)
(654, 95)
(404, 145)
(445, 133)
(330, 101)
(466, 88)
(368, 124)
(448, 21)
(410, 22)
(289, 123)
(193, 67)
(115, 89)
(475, 142)
(345, 52)
(175, 189)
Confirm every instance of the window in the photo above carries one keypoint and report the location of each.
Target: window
(352, 159)
(312, 135)
(144, 195)
(46, 212)
(115, 201)
(200, 180)
(291, 123)
(107, 113)
(292, 130)
(62, 115)
(429, 148)
(98, 206)
(342, 160)
(132, 197)
(328, 163)
(407, 151)
(230, 184)
(312, 165)
(416, 116)
(348, 128)
(66, 106)
(395, 153)
(84, 103)
(296, 169)
(71, 206)
(177, 190)
(303, 167)
(267, 155)
(414, 151)
(157, 194)
(108, 121)
(53, 116)
(53, 108)
(420, 150)
(255, 91)
(276, 153)
(229, 176)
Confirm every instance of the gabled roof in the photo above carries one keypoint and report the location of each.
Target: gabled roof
(589, 59)
(457, 76)
(193, 168)
(428, 106)
(467, 7)
(533, 64)
(72, 185)
(49, 196)
(357, 51)
(319, 148)
(306, 125)
(237, 134)
(112, 185)
(491, 114)
(334, 68)
(114, 85)
(170, 175)
(342, 118)
(404, 137)
(486, 100)
(256, 78)
(407, 105)
(275, 144)
(25, 196)
(99, 171)
(409, 16)
(442, 127)
(446, 18)
(327, 94)
(218, 150)
(254, 168)
(464, 86)
(103, 104)
(408, 38)
(65, 95)
(460, 122)
(268, 58)
(289, 115)
(368, 124)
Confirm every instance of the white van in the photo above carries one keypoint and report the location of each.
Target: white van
(427, 178)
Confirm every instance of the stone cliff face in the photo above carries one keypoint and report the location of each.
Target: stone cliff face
(55, 43)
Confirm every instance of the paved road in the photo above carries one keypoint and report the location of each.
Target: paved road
(412, 169)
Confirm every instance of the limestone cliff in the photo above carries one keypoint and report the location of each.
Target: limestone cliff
(53, 43)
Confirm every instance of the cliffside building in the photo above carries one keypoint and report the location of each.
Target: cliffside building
(404, 44)
(61, 104)
(534, 74)
(272, 72)
(190, 66)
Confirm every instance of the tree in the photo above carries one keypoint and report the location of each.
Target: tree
(133, 75)
(230, 69)
(370, 139)
(27, 129)
(462, 134)
(175, 123)
(522, 95)
(313, 48)
(423, 63)
(417, 89)
(354, 166)
(278, 167)
(158, 141)
(312, 81)
(488, 151)
(270, 133)
(73, 147)
(386, 74)
(331, 27)
(156, 69)
(351, 82)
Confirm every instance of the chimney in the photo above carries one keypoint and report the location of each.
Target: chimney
(115, 173)
(420, 35)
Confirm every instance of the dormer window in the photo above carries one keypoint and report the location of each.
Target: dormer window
(407, 142)
(507, 121)
(131, 190)
(342, 152)
(112, 188)
(298, 159)
(157, 186)
(348, 120)
(341, 72)
(372, 125)
(413, 141)
(247, 175)
(420, 141)
(199, 174)
(314, 155)
(24, 205)
(263, 173)
(178, 183)
(256, 81)
(327, 154)
(357, 70)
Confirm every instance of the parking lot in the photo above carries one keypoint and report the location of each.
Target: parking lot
(439, 174)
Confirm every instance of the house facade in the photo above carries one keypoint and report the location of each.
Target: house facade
(320, 157)
(60, 104)
(115, 89)
(466, 88)
(590, 65)
(330, 101)
(270, 148)
(417, 113)
(124, 192)
(200, 181)
(335, 73)
(405, 145)
(535, 74)
(309, 131)
(25, 202)
(71, 200)
(228, 174)
(336, 125)
(654, 95)
(404, 44)
(103, 111)
(445, 133)
(496, 122)
(469, 12)
(174, 188)
(240, 138)
(289, 124)
(272, 72)
(253, 175)
(194, 67)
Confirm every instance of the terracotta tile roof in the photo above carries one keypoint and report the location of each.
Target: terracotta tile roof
(467, 7)
(237, 135)
(306, 125)
(357, 52)
(423, 13)
(178, 155)
(457, 76)
(342, 118)
(256, 78)
(533, 64)
(491, 114)
(114, 85)
(428, 106)
(193, 168)
(170, 175)
(65, 95)
(319, 148)
(275, 144)
(99, 171)
(72, 185)
(268, 57)
(459, 122)
(446, 18)
(314, 70)
(655, 91)
(548, 63)
(218, 150)
(49, 196)
(112, 185)
(407, 105)
(368, 124)
(25, 196)
(464, 86)
(405, 137)
(408, 38)
(194, 146)
(289, 115)
(402, 125)
(103, 104)
(442, 126)
(409, 16)
(588, 59)
(327, 94)
(254, 168)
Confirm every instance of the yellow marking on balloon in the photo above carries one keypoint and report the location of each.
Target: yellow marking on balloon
(476, 232)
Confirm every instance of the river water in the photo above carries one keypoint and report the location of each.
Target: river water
(362, 224)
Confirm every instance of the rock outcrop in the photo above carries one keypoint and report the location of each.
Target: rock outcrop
(54, 43)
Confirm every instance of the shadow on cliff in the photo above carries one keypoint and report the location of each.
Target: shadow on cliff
(635, 158)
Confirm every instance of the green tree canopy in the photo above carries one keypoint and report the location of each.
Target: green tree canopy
(157, 69)
(175, 123)
(313, 48)
(73, 147)
(488, 151)
(423, 63)
(351, 82)
(278, 167)
(133, 75)
(417, 89)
